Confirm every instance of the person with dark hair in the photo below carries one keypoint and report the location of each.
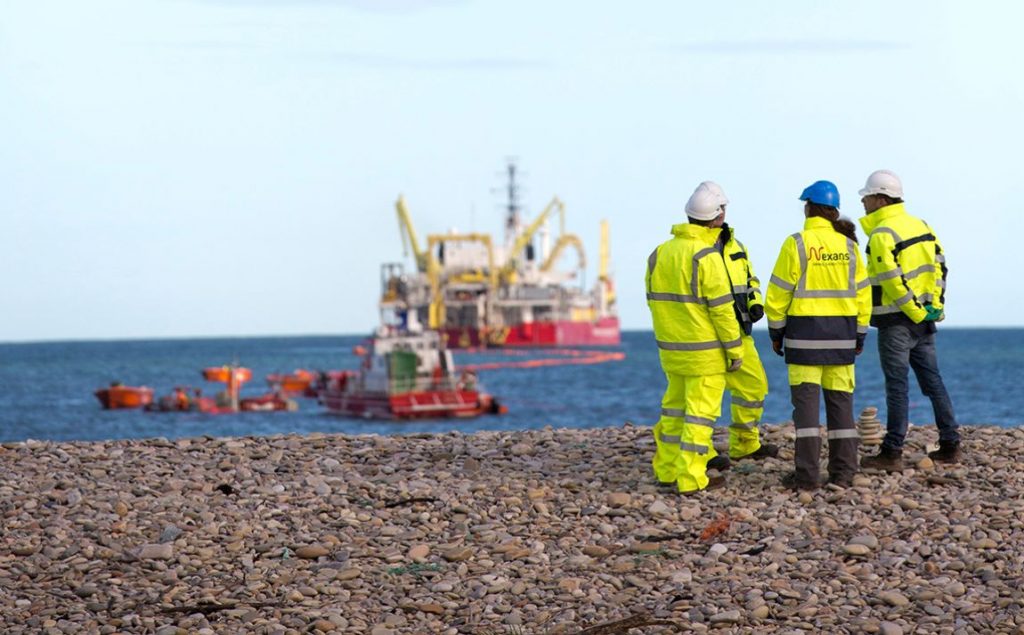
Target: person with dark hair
(908, 276)
(698, 339)
(818, 309)
(747, 386)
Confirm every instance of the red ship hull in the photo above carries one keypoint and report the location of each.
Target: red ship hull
(604, 332)
(410, 405)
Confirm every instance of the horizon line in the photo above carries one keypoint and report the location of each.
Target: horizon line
(172, 338)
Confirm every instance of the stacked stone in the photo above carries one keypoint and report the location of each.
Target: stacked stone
(871, 431)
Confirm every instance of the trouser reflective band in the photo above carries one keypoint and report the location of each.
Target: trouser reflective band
(744, 426)
(808, 432)
(673, 412)
(843, 434)
(701, 421)
(747, 404)
(670, 438)
(693, 447)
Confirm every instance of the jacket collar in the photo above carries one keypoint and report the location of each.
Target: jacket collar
(870, 221)
(817, 222)
(689, 230)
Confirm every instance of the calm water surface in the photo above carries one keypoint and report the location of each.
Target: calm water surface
(47, 387)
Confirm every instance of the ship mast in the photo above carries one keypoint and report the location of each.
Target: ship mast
(513, 222)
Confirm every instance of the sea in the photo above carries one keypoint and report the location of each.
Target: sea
(46, 389)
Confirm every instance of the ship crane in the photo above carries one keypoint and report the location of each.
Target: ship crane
(508, 273)
(409, 239)
(565, 240)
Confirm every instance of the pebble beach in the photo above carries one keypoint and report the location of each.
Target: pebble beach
(553, 531)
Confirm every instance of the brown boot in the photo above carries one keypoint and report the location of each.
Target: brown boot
(886, 460)
(948, 452)
(790, 481)
(766, 451)
(720, 463)
(714, 482)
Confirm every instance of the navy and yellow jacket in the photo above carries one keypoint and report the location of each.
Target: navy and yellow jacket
(819, 299)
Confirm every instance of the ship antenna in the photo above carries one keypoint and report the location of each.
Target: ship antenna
(512, 206)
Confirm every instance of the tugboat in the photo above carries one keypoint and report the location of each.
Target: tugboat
(118, 396)
(407, 375)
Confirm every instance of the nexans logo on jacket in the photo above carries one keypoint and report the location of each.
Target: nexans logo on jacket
(818, 255)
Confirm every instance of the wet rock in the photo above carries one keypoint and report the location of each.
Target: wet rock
(163, 551)
(311, 552)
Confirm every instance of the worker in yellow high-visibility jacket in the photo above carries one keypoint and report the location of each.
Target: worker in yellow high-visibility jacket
(908, 276)
(698, 339)
(748, 386)
(818, 308)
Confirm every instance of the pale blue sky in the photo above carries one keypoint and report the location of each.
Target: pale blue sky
(229, 167)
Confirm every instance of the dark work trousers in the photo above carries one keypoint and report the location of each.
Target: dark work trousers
(843, 437)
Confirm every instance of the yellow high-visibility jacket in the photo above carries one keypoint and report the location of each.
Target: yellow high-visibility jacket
(691, 303)
(906, 265)
(746, 288)
(819, 298)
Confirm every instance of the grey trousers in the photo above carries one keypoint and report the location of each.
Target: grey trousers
(843, 437)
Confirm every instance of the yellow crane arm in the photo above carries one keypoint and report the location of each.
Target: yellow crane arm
(604, 252)
(409, 239)
(565, 240)
(437, 311)
(522, 240)
(604, 256)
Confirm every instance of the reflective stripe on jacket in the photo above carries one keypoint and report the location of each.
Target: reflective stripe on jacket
(906, 266)
(691, 303)
(819, 298)
(746, 288)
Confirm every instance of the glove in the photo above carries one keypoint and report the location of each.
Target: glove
(756, 312)
(734, 366)
(934, 315)
(860, 343)
(777, 347)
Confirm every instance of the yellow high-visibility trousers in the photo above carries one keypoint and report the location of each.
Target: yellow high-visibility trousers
(682, 435)
(748, 387)
(841, 377)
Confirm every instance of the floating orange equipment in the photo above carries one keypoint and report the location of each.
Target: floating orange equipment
(119, 396)
(297, 383)
(223, 374)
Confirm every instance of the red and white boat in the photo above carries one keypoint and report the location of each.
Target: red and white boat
(407, 376)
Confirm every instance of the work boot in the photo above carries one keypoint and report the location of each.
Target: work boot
(842, 481)
(714, 482)
(790, 481)
(720, 463)
(948, 452)
(766, 451)
(886, 460)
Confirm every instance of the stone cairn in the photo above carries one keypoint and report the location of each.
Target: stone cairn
(871, 431)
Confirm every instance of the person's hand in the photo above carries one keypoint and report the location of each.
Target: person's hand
(860, 343)
(933, 314)
(756, 312)
(777, 347)
(734, 365)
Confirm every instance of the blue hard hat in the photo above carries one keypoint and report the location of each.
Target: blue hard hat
(822, 193)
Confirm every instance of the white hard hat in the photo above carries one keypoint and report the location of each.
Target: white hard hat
(706, 202)
(883, 182)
